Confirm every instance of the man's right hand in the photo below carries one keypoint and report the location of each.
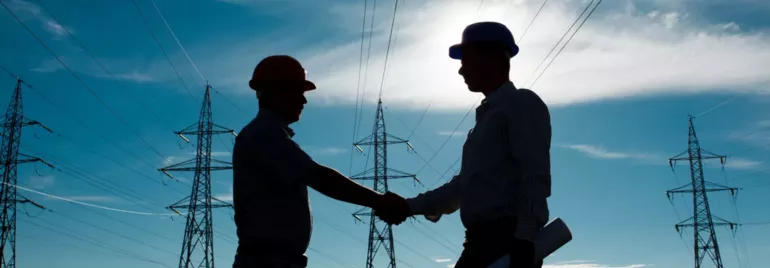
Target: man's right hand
(393, 209)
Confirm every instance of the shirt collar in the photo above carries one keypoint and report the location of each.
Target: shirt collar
(273, 118)
(497, 95)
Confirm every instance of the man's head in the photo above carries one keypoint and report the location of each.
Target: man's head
(485, 53)
(280, 82)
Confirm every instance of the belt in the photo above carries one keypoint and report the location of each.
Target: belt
(499, 229)
(271, 251)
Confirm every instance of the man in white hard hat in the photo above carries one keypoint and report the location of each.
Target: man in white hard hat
(505, 179)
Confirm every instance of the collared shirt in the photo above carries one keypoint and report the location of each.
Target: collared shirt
(269, 190)
(505, 165)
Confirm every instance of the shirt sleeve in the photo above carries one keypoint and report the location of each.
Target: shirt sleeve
(285, 157)
(529, 138)
(443, 200)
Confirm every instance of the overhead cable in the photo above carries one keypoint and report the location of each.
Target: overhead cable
(82, 82)
(90, 205)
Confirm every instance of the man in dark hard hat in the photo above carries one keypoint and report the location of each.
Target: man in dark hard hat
(505, 176)
(271, 174)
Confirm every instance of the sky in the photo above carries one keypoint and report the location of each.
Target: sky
(619, 95)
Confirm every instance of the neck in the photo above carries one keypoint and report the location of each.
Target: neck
(277, 113)
(494, 84)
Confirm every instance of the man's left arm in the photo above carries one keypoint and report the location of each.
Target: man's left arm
(529, 140)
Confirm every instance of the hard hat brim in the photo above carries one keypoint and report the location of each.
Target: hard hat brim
(308, 86)
(455, 51)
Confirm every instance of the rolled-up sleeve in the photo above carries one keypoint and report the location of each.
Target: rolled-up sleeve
(443, 200)
(289, 161)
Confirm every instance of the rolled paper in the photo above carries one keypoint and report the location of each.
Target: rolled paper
(553, 236)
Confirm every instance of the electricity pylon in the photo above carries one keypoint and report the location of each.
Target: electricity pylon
(705, 238)
(380, 233)
(13, 121)
(198, 243)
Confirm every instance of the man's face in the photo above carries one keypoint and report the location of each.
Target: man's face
(475, 67)
(289, 101)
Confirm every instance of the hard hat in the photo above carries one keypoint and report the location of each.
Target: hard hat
(279, 70)
(485, 32)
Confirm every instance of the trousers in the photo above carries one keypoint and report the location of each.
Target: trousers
(489, 241)
(266, 256)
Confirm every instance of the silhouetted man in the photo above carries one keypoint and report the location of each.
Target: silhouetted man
(271, 174)
(504, 180)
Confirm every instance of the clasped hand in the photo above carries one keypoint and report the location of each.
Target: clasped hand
(393, 209)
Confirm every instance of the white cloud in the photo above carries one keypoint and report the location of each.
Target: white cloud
(443, 260)
(455, 134)
(599, 152)
(170, 160)
(137, 77)
(325, 151)
(739, 163)
(618, 53)
(26, 11)
(226, 197)
(670, 20)
(764, 124)
(757, 136)
(41, 182)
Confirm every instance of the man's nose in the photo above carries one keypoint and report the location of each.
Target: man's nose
(460, 71)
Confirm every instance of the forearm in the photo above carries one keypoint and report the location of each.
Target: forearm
(335, 185)
(442, 200)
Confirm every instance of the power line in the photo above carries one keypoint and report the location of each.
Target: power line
(434, 240)
(114, 233)
(419, 121)
(558, 42)
(77, 41)
(387, 51)
(65, 112)
(532, 21)
(366, 69)
(181, 47)
(358, 87)
(327, 256)
(165, 54)
(89, 205)
(177, 40)
(72, 141)
(568, 40)
(479, 7)
(451, 135)
(84, 238)
(130, 225)
(82, 82)
(112, 188)
(9, 72)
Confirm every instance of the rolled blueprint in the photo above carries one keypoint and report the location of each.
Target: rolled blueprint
(552, 237)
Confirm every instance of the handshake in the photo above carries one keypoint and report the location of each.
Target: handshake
(392, 209)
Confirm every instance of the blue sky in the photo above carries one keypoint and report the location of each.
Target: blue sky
(619, 96)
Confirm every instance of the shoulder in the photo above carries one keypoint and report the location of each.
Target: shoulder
(256, 133)
(527, 97)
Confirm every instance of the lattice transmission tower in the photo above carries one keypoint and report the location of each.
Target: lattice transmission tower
(380, 233)
(198, 243)
(702, 221)
(13, 122)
